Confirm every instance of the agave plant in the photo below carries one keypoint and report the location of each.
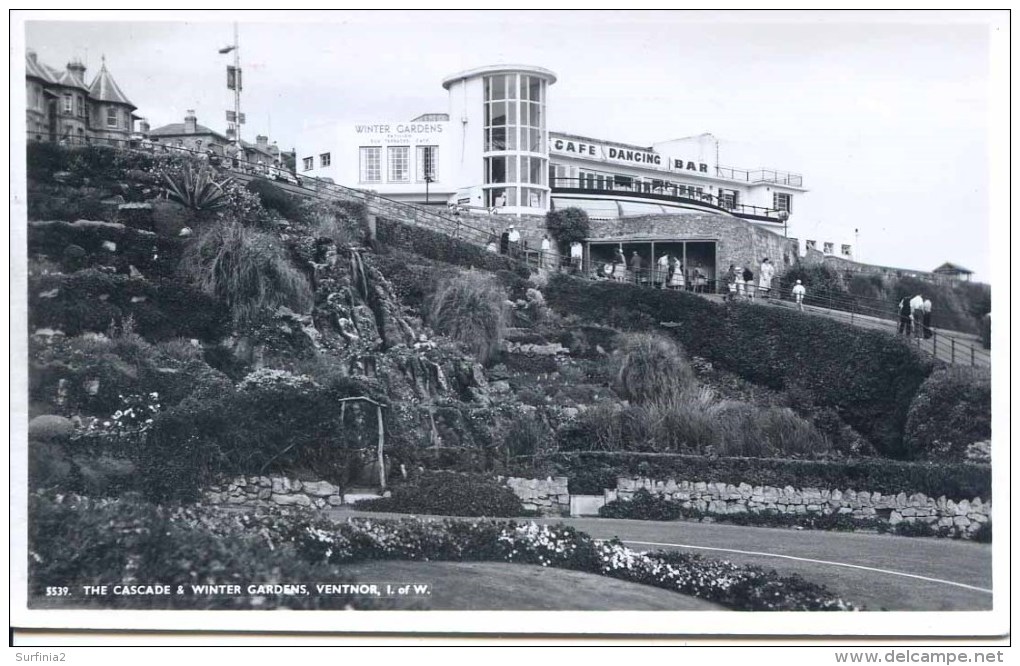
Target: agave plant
(196, 189)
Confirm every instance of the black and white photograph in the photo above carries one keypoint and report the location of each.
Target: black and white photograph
(396, 318)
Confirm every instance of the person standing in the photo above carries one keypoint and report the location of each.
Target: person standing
(662, 273)
(916, 314)
(576, 252)
(676, 280)
(619, 266)
(749, 282)
(515, 240)
(731, 283)
(504, 242)
(904, 310)
(765, 275)
(926, 318)
(798, 295)
(546, 258)
(635, 266)
(738, 278)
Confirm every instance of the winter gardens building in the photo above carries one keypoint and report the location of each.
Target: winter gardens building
(492, 151)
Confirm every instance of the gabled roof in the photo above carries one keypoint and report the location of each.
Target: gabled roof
(177, 129)
(38, 70)
(950, 267)
(105, 89)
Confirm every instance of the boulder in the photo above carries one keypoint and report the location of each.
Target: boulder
(320, 488)
(292, 500)
(50, 428)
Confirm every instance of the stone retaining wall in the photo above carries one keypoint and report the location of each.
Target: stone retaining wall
(720, 498)
(274, 490)
(548, 496)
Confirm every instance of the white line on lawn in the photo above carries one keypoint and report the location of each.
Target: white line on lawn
(808, 559)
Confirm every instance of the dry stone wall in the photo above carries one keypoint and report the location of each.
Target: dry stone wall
(964, 516)
(274, 491)
(548, 496)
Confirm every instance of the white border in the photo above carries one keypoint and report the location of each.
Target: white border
(989, 623)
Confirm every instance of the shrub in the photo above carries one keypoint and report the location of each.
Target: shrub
(952, 410)
(449, 494)
(245, 268)
(869, 377)
(526, 435)
(568, 225)
(649, 367)
(749, 431)
(275, 198)
(470, 308)
(196, 189)
(643, 506)
(957, 480)
(343, 222)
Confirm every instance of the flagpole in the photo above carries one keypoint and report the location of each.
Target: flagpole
(237, 92)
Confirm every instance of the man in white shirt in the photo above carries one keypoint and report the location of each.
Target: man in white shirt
(798, 295)
(765, 275)
(917, 314)
(576, 252)
(515, 240)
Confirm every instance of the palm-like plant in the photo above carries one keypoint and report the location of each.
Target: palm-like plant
(196, 189)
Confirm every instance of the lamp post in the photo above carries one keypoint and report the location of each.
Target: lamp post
(783, 217)
(429, 176)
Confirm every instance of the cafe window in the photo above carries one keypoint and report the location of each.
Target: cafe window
(399, 164)
(325, 160)
(426, 163)
(308, 163)
(729, 198)
(782, 201)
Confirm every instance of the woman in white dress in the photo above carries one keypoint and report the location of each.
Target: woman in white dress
(676, 281)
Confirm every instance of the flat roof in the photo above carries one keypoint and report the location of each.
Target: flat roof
(495, 69)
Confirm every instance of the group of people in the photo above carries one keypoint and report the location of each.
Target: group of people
(666, 272)
(509, 242)
(740, 281)
(915, 317)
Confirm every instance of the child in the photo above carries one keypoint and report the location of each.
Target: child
(798, 295)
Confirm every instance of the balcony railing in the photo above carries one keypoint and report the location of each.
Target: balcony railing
(661, 191)
(761, 176)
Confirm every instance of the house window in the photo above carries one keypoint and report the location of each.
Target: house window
(324, 160)
(111, 117)
(426, 163)
(399, 167)
(307, 163)
(68, 103)
(782, 201)
(371, 164)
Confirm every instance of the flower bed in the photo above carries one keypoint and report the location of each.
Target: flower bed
(737, 587)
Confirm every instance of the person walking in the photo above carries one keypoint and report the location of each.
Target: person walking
(635, 266)
(731, 283)
(798, 295)
(749, 283)
(765, 275)
(926, 318)
(904, 311)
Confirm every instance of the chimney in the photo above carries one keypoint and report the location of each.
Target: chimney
(262, 142)
(77, 66)
(143, 126)
(190, 122)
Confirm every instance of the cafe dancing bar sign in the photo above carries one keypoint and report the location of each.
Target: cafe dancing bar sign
(621, 155)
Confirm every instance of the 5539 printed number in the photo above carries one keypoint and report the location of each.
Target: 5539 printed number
(58, 591)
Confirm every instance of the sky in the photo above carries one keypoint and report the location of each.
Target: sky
(885, 115)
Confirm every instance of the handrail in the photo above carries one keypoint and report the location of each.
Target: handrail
(953, 347)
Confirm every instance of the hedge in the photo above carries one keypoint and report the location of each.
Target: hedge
(869, 377)
(449, 494)
(442, 247)
(955, 481)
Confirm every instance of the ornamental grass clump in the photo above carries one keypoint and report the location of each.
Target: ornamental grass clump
(470, 308)
(650, 367)
(197, 189)
(245, 268)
